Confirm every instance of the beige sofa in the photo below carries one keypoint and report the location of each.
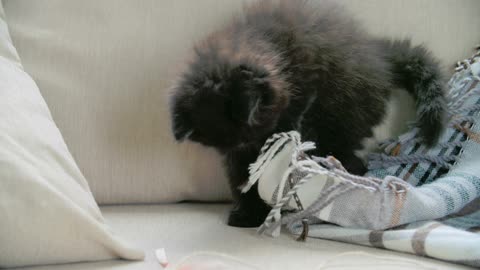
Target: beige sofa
(104, 68)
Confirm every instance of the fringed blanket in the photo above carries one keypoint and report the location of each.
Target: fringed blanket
(414, 199)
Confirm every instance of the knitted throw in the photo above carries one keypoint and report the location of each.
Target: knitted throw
(414, 199)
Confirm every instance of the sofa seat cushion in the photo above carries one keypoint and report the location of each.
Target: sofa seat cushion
(183, 229)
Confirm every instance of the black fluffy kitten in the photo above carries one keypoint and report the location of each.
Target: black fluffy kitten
(293, 65)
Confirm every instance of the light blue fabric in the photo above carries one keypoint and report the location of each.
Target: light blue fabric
(404, 207)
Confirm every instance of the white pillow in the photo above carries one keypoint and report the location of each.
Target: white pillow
(48, 214)
(104, 68)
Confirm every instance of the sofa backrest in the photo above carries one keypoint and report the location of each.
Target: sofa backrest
(105, 67)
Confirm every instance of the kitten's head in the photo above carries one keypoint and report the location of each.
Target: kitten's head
(226, 105)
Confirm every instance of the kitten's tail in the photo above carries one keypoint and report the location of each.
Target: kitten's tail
(416, 70)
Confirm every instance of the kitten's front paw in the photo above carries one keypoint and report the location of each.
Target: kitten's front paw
(247, 217)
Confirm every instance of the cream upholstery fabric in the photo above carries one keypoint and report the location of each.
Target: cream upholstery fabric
(104, 68)
(47, 212)
(186, 228)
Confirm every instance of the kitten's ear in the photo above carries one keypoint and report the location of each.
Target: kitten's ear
(252, 93)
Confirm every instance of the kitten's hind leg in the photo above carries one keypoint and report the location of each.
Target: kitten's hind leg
(350, 161)
(354, 165)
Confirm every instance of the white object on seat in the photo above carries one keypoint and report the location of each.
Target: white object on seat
(161, 257)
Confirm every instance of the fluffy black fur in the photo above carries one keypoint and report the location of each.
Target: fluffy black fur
(294, 65)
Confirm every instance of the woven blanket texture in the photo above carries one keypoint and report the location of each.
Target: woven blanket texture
(414, 199)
